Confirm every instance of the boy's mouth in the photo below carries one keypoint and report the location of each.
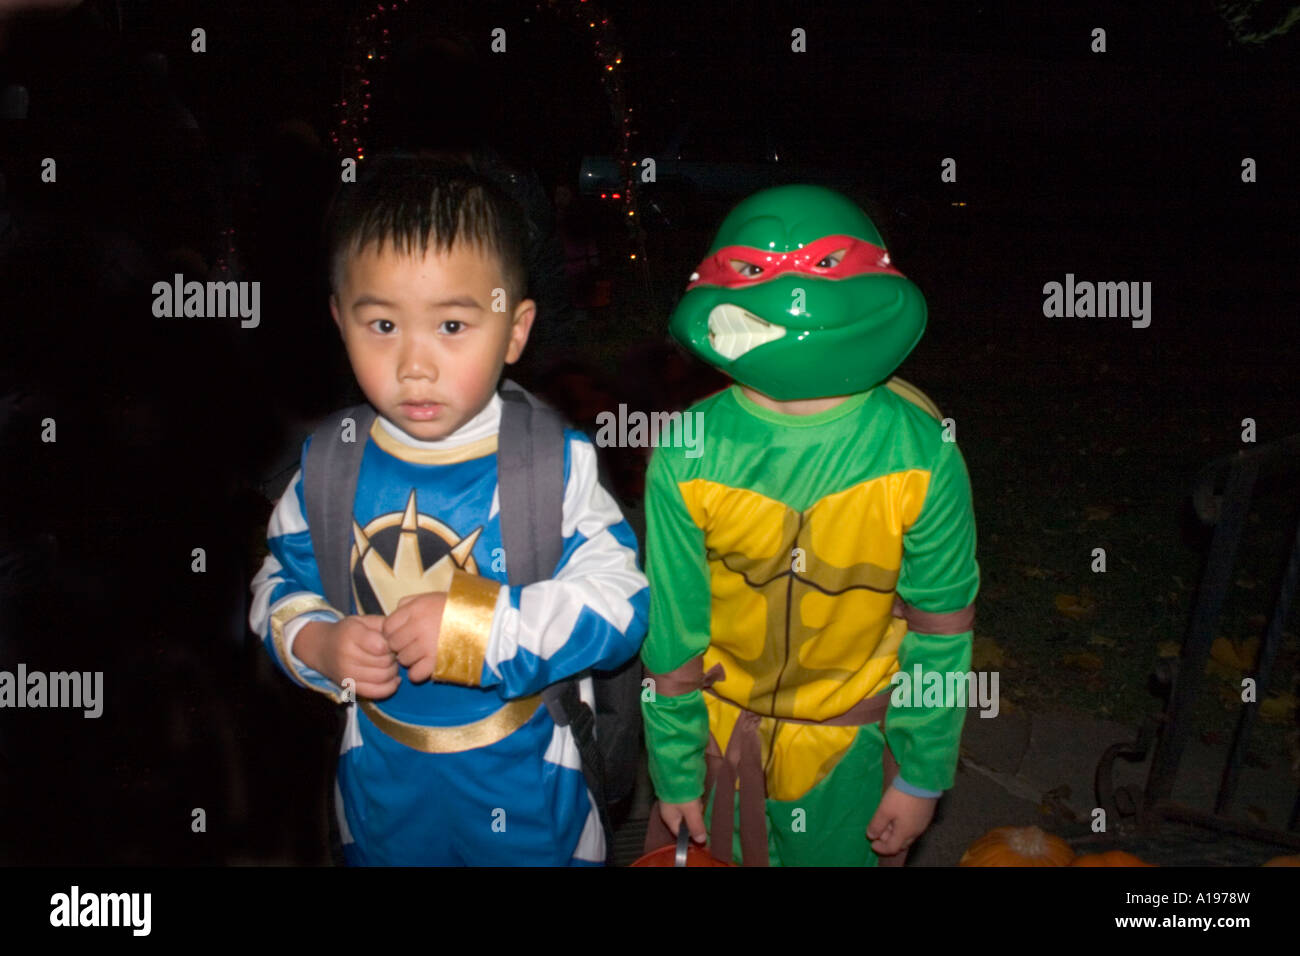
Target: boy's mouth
(421, 411)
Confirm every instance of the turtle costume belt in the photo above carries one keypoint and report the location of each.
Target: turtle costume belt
(743, 758)
(743, 761)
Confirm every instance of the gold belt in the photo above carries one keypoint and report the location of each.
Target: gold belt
(449, 740)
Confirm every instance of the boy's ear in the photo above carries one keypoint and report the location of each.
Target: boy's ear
(520, 326)
(334, 311)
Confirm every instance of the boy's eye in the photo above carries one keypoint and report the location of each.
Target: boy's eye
(452, 326)
(746, 269)
(831, 261)
(383, 325)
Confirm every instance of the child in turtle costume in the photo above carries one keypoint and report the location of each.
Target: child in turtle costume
(823, 540)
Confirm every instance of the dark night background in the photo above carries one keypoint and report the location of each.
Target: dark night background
(1122, 166)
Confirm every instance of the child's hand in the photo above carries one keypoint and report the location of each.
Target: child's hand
(353, 647)
(412, 633)
(692, 812)
(899, 820)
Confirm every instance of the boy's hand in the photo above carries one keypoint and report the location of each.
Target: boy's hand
(692, 812)
(353, 647)
(412, 633)
(899, 820)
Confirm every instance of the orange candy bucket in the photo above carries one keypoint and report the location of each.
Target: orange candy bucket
(685, 853)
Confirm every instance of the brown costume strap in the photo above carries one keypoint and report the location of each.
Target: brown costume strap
(743, 760)
(924, 622)
(682, 680)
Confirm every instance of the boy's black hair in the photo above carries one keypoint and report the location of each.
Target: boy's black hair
(420, 203)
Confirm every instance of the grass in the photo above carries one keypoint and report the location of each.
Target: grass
(1108, 463)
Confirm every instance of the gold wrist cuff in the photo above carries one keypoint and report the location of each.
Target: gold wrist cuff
(285, 611)
(465, 628)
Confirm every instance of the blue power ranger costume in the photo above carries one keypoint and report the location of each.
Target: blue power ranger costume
(469, 767)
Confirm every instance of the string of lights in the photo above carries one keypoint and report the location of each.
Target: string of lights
(368, 47)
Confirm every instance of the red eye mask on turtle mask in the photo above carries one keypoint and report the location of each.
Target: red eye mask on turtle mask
(860, 258)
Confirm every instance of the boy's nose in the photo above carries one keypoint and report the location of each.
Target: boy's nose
(417, 361)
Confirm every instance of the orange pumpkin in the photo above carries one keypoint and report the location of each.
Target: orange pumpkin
(1283, 861)
(1110, 858)
(1018, 846)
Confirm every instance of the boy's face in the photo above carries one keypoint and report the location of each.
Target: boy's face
(424, 343)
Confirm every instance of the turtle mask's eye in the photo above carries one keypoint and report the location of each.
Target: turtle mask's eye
(746, 269)
(834, 259)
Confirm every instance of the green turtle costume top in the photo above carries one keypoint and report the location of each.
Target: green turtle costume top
(797, 562)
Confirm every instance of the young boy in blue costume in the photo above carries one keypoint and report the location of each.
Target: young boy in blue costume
(449, 755)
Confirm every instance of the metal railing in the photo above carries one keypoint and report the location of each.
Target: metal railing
(1183, 682)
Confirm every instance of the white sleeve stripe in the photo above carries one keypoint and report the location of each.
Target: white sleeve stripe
(587, 506)
(351, 733)
(563, 749)
(345, 831)
(264, 583)
(591, 845)
(288, 517)
(601, 575)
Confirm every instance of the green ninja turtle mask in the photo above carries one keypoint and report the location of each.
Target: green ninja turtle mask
(797, 298)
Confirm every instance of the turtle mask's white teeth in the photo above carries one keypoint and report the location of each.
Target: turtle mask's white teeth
(733, 331)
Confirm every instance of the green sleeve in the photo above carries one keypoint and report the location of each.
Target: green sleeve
(676, 728)
(939, 574)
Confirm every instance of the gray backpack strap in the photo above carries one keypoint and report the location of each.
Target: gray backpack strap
(530, 488)
(530, 477)
(330, 488)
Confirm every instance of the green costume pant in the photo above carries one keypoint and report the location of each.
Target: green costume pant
(827, 826)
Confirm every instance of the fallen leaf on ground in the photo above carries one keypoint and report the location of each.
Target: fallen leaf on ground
(1230, 660)
(1168, 649)
(1277, 710)
(1101, 641)
(1033, 571)
(1098, 512)
(1084, 661)
(986, 655)
(1074, 607)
